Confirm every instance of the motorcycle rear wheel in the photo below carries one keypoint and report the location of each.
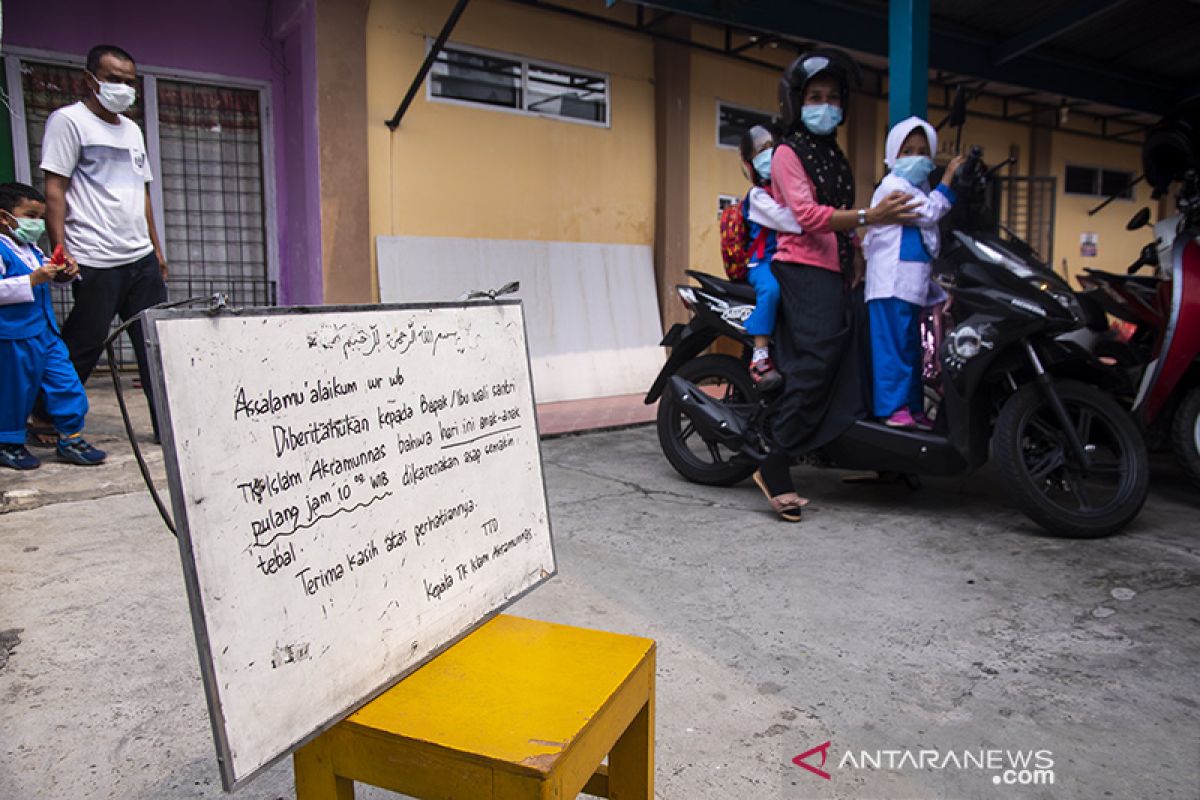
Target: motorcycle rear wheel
(1185, 434)
(1044, 478)
(724, 378)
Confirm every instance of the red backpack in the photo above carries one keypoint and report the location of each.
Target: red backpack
(736, 246)
(735, 241)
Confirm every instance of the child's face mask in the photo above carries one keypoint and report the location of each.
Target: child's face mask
(762, 163)
(914, 169)
(27, 229)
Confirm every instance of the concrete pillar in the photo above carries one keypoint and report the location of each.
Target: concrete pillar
(1040, 143)
(672, 137)
(864, 146)
(908, 59)
(342, 124)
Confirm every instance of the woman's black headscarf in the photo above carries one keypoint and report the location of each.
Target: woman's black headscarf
(833, 181)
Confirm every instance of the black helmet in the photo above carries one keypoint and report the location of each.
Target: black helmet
(1172, 147)
(808, 65)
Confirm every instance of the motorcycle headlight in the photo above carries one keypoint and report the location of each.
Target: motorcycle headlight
(1003, 259)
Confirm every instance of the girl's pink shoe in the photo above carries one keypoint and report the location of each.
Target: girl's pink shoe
(923, 422)
(901, 419)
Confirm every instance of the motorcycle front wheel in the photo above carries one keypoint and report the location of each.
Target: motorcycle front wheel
(1185, 434)
(724, 378)
(1046, 480)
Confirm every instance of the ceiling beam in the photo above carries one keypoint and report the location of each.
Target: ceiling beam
(842, 23)
(1081, 13)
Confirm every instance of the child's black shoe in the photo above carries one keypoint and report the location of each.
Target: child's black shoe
(15, 456)
(76, 450)
(764, 375)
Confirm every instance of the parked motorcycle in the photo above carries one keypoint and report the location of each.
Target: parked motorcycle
(1162, 354)
(1014, 386)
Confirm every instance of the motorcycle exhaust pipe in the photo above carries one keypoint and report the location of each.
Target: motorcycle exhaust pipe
(715, 421)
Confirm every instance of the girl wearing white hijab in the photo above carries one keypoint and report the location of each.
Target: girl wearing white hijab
(898, 272)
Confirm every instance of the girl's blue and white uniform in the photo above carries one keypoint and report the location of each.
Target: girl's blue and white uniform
(898, 283)
(33, 356)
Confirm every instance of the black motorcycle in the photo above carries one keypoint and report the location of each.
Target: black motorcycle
(1015, 385)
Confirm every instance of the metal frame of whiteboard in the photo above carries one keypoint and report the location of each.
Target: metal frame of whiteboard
(179, 511)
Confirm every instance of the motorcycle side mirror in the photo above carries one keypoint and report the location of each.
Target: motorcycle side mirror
(958, 108)
(1138, 220)
(1148, 258)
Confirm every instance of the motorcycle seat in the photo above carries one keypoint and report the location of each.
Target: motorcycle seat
(742, 291)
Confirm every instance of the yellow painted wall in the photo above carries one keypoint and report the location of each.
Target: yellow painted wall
(1117, 247)
(460, 171)
(717, 170)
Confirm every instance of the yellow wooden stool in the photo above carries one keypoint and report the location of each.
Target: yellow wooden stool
(517, 709)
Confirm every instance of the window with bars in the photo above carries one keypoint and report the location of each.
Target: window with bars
(1098, 182)
(210, 148)
(733, 121)
(210, 172)
(511, 82)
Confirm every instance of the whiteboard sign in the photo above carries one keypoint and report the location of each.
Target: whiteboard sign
(353, 489)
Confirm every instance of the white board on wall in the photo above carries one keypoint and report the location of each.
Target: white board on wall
(353, 489)
(591, 308)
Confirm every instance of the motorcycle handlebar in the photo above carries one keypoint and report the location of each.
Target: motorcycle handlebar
(973, 162)
(971, 169)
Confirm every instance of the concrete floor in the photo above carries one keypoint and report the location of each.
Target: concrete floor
(887, 620)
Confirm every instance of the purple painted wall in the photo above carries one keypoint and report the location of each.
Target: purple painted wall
(266, 41)
(295, 26)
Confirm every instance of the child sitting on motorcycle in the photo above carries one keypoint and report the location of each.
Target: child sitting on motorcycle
(763, 218)
(898, 284)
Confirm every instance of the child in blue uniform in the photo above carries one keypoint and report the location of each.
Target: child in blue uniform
(898, 273)
(763, 218)
(32, 353)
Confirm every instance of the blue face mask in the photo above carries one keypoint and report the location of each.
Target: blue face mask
(762, 164)
(821, 119)
(914, 169)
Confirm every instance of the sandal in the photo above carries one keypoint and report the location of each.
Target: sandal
(788, 510)
(40, 433)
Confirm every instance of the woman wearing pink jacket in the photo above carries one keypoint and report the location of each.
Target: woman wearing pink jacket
(816, 340)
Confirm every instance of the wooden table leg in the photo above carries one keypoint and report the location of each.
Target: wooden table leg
(315, 779)
(631, 761)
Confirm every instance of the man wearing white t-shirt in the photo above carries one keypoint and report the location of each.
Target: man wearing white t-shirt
(98, 209)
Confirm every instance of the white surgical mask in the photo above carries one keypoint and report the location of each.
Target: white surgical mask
(821, 119)
(914, 169)
(115, 97)
(762, 163)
